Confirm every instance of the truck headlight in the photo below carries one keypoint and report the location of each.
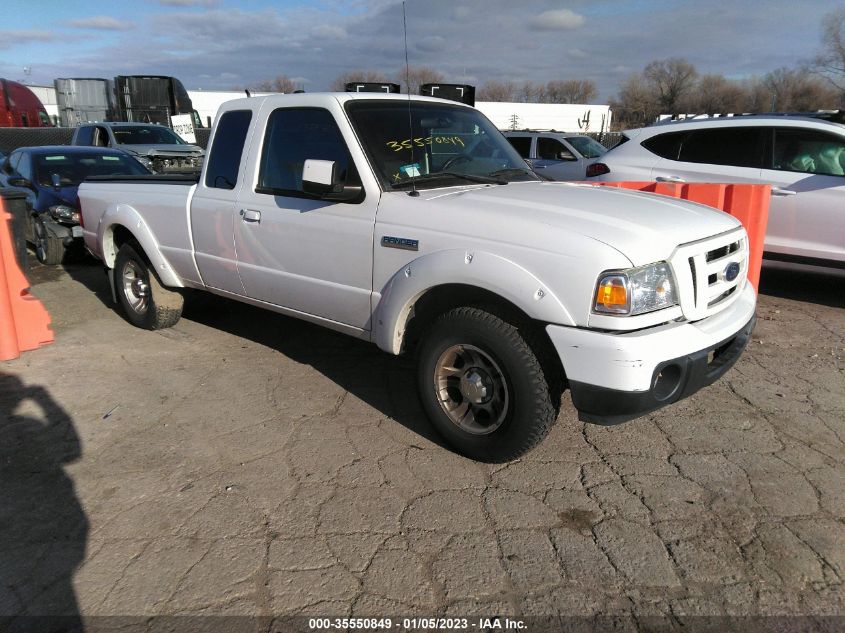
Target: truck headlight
(145, 161)
(636, 290)
(64, 213)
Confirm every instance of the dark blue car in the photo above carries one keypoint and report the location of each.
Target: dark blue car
(50, 177)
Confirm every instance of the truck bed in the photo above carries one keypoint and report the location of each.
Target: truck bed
(159, 202)
(187, 178)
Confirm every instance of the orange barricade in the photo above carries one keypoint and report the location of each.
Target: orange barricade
(747, 203)
(24, 323)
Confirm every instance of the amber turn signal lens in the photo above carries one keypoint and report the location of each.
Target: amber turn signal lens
(612, 295)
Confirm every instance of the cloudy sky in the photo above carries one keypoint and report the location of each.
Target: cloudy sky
(224, 44)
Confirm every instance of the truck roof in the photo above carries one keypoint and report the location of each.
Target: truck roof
(316, 98)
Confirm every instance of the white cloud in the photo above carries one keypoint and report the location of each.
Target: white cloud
(329, 31)
(102, 23)
(557, 20)
(9, 38)
(431, 43)
(577, 53)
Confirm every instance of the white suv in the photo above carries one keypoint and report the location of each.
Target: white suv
(803, 158)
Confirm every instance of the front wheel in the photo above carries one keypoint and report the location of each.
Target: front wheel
(483, 386)
(49, 249)
(144, 300)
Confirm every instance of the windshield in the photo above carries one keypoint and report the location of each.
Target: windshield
(146, 135)
(72, 169)
(587, 147)
(444, 144)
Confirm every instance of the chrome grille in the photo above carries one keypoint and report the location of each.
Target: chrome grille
(164, 164)
(701, 269)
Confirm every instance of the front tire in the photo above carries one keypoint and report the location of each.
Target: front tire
(144, 300)
(49, 249)
(483, 386)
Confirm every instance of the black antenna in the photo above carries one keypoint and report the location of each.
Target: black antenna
(413, 192)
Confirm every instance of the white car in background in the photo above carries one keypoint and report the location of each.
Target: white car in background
(556, 155)
(802, 157)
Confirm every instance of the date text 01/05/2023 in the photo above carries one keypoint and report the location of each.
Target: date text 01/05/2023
(417, 624)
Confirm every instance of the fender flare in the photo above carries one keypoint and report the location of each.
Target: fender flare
(127, 217)
(482, 270)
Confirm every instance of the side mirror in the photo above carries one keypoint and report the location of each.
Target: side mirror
(19, 181)
(320, 178)
(564, 155)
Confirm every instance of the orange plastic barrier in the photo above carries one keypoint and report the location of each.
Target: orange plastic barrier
(24, 323)
(747, 203)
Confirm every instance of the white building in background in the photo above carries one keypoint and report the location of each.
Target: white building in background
(564, 117)
(207, 102)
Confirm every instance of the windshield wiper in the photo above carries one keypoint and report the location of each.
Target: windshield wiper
(438, 175)
(513, 171)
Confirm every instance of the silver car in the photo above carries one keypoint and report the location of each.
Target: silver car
(802, 157)
(556, 155)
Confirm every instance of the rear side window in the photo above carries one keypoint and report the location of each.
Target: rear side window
(224, 160)
(294, 135)
(664, 145)
(521, 144)
(739, 147)
(85, 135)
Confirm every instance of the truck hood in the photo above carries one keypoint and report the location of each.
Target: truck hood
(163, 150)
(644, 227)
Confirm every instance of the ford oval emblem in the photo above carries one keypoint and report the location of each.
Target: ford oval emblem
(731, 271)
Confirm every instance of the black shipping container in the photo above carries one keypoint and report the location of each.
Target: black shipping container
(461, 93)
(369, 86)
(150, 99)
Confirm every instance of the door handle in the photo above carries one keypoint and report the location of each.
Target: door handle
(777, 191)
(669, 179)
(250, 215)
(539, 166)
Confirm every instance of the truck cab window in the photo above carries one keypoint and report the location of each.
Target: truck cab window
(227, 149)
(85, 135)
(294, 135)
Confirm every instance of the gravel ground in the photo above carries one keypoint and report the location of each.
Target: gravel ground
(246, 464)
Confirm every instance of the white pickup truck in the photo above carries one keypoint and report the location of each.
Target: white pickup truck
(413, 223)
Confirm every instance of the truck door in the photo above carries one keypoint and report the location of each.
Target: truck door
(295, 250)
(214, 205)
(557, 161)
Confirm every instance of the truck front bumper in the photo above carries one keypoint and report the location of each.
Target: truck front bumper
(616, 377)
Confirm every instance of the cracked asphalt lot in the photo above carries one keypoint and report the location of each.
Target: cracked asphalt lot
(243, 463)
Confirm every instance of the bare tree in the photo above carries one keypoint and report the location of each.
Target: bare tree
(530, 92)
(635, 105)
(831, 61)
(497, 91)
(374, 76)
(282, 83)
(418, 76)
(716, 94)
(670, 80)
(571, 91)
(795, 90)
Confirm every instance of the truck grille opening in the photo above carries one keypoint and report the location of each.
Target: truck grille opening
(714, 269)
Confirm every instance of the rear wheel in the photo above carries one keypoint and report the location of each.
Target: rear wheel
(49, 249)
(483, 386)
(144, 300)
